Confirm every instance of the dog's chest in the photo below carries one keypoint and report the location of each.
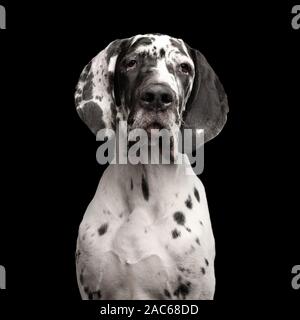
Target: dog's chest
(171, 235)
(164, 257)
(153, 244)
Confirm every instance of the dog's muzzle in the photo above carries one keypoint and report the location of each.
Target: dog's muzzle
(157, 97)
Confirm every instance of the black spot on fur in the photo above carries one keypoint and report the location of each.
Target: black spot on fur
(201, 222)
(206, 262)
(131, 184)
(144, 54)
(91, 113)
(203, 270)
(87, 90)
(98, 294)
(188, 202)
(78, 101)
(103, 229)
(81, 278)
(182, 290)
(183, 270)
(145, 188)
(196, 193)
(188, 229)
(162, 52)
(198, 241)
(175, 233)
(167, 293)
(92, 295)
(179, 217)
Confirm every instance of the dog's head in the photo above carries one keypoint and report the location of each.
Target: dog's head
(152, 82)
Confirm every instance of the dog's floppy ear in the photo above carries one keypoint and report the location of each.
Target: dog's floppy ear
(95, 96)
(207, 106)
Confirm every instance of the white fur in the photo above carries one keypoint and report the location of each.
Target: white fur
(137, 258)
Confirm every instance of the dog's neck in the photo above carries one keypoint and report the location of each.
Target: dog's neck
(159, 177)
(164, 172)
(147, 187)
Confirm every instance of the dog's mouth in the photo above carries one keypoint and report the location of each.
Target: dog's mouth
(161, 133)
(152, 123)
(155, 125)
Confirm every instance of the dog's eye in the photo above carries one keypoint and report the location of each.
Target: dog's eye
(185, 67)
(130, 64)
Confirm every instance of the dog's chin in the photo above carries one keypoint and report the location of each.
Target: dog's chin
(156, 133)
(154, 127)
(150, 127)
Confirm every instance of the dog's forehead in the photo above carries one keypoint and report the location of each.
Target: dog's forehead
(158, 44)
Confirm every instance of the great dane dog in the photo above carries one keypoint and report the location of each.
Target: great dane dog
(147, 234)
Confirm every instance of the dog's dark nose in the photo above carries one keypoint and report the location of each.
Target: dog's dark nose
(157, 97)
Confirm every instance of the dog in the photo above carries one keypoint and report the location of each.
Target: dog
(147, 234)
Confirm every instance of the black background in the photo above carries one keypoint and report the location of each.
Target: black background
(48, 168)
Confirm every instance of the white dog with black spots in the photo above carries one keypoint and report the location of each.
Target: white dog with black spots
(147, 233)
